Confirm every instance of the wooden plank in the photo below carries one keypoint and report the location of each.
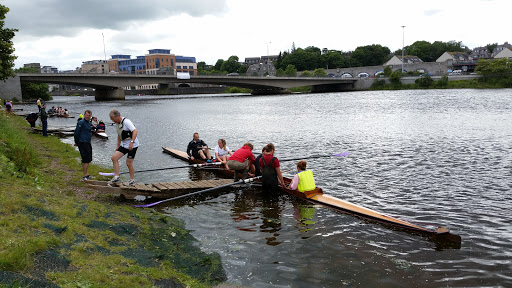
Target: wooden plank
(160, 187)
(180, 185)
(151, 188)
(170, 186)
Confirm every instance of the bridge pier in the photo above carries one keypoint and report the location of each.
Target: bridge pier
(106, 94)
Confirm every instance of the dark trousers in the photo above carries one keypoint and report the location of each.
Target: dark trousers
(45, 127)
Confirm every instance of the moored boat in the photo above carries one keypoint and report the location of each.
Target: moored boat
(317, 196)
(101, 134)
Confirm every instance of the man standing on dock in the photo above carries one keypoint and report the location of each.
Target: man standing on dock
(127, 142)
(44, 119)
(83, 141)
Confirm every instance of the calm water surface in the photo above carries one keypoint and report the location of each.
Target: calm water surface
(436, 156)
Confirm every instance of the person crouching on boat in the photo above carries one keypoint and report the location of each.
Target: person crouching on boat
(303, 180)
(242, 161)
(127, 142)
(222, 152)
(197, 149)
(270, 171)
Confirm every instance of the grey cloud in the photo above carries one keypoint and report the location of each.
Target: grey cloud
(68, 17)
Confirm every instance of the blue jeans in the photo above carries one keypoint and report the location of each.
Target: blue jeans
(45, 127)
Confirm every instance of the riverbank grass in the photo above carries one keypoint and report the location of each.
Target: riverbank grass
(50, 236)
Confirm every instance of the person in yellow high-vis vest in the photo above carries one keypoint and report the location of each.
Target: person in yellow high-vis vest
(303, 180)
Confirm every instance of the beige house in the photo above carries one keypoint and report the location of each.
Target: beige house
(95, 66)
(408, 59)
(505, 53)
(454, 56)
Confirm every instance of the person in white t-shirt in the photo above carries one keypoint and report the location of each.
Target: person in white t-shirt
(127, 142)
(222, 152)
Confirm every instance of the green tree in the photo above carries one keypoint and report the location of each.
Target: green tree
(334, 59)
(243, 69)
(6, 47)
(320, 72)
(280, 72)
(442, 83)
(306, 74)
(370, 55)
(424, 82)
(387, 71)
(218, 65)
(231, 65)
(290, 71)
(493, 68)
(34, 90)
(395, 77)
(491, 47)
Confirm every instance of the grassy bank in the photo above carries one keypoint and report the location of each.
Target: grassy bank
(55, 231)
(443, 83)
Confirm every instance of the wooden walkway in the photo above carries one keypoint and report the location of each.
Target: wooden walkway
(157, 190)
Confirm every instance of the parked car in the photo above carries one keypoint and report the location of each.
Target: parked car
(425, 74)
(363, 75)
(346, 75)
(233, 74)
(331, 75)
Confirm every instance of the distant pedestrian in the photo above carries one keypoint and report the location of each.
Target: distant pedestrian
(44, 120)
(127, 142)
(39, 103)
(83, 141)
(8, 106)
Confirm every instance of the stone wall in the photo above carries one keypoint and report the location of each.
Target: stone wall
(434, 68)
(10, 89)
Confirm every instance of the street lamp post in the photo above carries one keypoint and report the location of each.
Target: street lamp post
(403, 37)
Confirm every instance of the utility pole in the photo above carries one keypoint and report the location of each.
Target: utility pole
(104, 51)
(403, 37)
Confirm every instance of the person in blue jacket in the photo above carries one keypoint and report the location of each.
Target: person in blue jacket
(83, 135)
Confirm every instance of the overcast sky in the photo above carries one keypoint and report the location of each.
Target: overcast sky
(63, 33)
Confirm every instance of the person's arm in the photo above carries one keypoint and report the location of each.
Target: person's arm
(134, 136)
(295, 182)
(280, 177)
(78, 130)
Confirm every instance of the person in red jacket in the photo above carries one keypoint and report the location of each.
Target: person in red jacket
(242, 161)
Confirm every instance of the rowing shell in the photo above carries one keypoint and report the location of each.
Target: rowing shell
(317, 196)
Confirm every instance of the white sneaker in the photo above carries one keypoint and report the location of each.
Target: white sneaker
(130, 183)
(115, 180)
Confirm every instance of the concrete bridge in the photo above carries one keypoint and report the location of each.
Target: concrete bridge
(109, 86)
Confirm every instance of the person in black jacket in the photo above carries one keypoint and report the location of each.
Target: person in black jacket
(197, 149)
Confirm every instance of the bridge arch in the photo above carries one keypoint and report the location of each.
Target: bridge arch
(184, 85)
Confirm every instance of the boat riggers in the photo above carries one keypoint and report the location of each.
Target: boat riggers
(167, 168)
(243, 181)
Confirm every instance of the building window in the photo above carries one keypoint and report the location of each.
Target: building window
(190, 67)
(178, 67)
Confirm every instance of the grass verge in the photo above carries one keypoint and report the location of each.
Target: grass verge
(52, 233)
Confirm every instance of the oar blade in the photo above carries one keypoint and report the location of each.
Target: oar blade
(107, 174)
(342, 154)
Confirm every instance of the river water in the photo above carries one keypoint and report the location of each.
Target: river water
(432, 156)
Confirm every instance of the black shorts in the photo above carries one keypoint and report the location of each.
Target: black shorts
(85, 149)
(131, 154)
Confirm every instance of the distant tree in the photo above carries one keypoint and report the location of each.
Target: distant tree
(290, 71)
(243, 69)
(201, 65)
(395, 76)
(442, 83)
(491, 47)
(496, 67)
(218, 65)
(306, 74)
(6, 47)
(302, 60)
(280, 72)
(333, 59)
(429, 52)
(424, 82)
(293, 47)
(387, 71)
(370, 55)
(231, 65)
(33, 90)
(320, 72)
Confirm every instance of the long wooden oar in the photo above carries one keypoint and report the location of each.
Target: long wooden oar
(167, 168)
(202, 191)
(317, 156)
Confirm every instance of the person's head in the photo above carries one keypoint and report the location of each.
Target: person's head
(269, 148)
(222, 143)
(248, 144)
(195, 136)
(87, 115)
(115, 116)
(301, 165)
(44, 105)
